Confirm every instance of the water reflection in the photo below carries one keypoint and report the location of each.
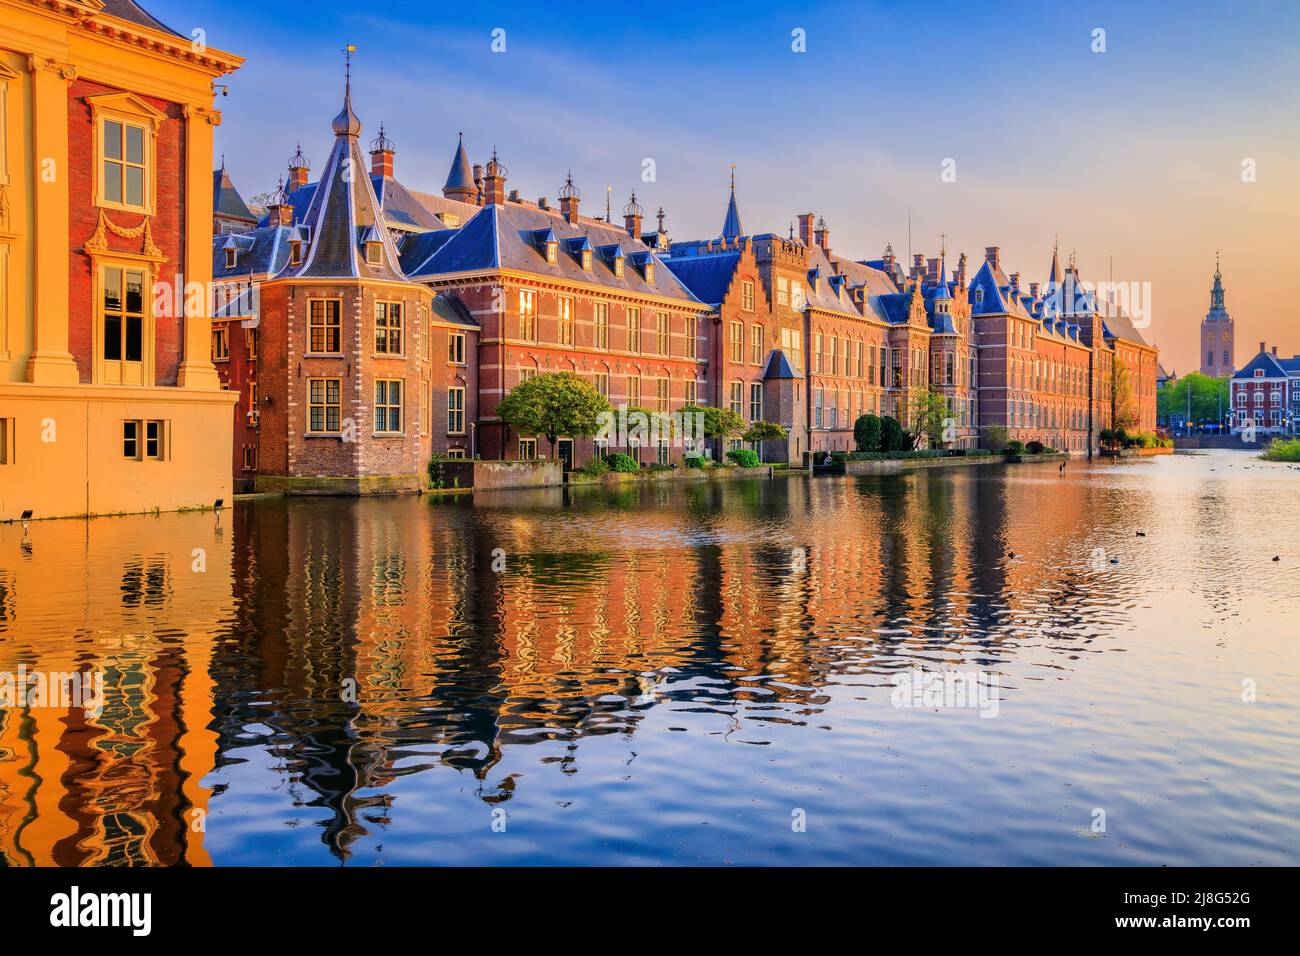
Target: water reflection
(342, 680)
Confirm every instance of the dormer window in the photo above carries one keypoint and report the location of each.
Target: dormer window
(552, 252)
(295, 252)
(979, 296)
(618, 266)
(1259, 373)
(650, 271)
(586, 260)
(230, 258)
(373, 255)
(373, 240)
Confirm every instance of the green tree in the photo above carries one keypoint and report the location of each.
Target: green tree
(866, 433)
(892, 436)
(928, 411)
(558, 404)
(721, 423)
(995, 437)
(760, 431)
(1123, 409)
(1208, 398)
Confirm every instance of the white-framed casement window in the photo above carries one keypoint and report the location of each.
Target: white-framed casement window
(388, 406)
(756, 344)
(456, 348)
(456, 454)
(736, 397)
(736, 338)
(662, 393)
(819, 397)
(755, 401)
(663, 329)
(633, 329)
(747, 295)
(692, 336)
(528, 315)
(527, 449)
(220, 343)
(125, 129)
(250, 457)
(325, 326)
(324, 406)
(426, 399)
(456, 411)
(124, 326)
(692, 391)
(527, 373)
(634, 389)
(600, 324)
(566, 320)
(388, 328)
(602, 383)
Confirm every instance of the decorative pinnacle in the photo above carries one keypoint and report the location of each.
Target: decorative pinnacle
(633, 208)
(569, 190)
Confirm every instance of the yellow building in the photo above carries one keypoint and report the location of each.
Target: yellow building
(109, 401)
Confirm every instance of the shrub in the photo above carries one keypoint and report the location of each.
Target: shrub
(1281, 449)
(1035, 447)
(995, 437)
(744, 457)
(819, 457)
(618, 461)
(1015, 447)
(595, 467)
(978, 453)
(693, 461)
(866, 433)
(660, 466)
(892, 436)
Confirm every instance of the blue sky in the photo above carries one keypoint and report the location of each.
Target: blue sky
(1133, 155)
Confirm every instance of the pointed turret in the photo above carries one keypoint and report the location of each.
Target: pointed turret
(460, 180)
(731, 228)
(1054, 275)
(344, 225)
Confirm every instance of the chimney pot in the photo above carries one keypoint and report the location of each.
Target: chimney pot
(1262, 348)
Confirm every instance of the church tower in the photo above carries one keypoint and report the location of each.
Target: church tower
(1218, 335)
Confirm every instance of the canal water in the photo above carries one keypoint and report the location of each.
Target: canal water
(685, 673)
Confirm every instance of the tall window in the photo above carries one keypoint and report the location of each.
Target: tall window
(324, 325)
(633, 330)
(792, 345)
(633, 390)
(663, 328)
(388, 405)
(833, 366)
(426, 405)
(747, 296)
(600, 319)
(736, 398)
(123, 326)
(896, 358)
(737, 339)
(456, 348)
(755, 401)
(692, 335)
(456, 411)
(819, 399)
(528, 315)
(817, 352)
(756, 344)
(124, 167)
(324, 410)
(661, 394)
(566, 320)
(220, 343)
(692, 391)
(602, 383)
(871, 365)
(388, 328)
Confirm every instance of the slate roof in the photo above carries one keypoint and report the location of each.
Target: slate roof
(461, 175)
(503, 237)
(1273, 366)
(261, 251)
(341, 209)
(417, 249)
(401, 207)
(451, 309)
(707, 276)
(779, 367)
(731, 228)
(132, 12)
(226, 200)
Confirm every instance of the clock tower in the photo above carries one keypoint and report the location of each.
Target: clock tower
(1217, 333)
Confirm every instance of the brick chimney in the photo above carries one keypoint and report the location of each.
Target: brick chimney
(1262, 348)
(932, 269)
(918, 265)
(822, 235)
(1015, 283)
(494, 182)
(1275, 350)
(806, 228)
(299, 168)
(992, 255)
(961, 270)
(478, 183)
(569, 198)
(382, 151)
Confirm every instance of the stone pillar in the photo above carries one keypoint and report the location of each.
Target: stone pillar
(50, 362)
(197, 370)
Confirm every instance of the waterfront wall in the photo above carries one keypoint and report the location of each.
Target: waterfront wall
(493, 475)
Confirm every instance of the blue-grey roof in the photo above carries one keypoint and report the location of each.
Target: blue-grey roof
(1270, 364)
(504, 237)
(132, 12)
(259, 252)
(779, 367)
(400, 207)
(226, 200)
(896, 307)
(707, 276)
(461, 175)
(418, 248)
(731, 227)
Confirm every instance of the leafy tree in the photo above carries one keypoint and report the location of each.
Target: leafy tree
(764, 431)
(1208, 398)
(928, 411)
(720, 423)
(555, 404)
(866, 433)
(1123, 410)
(892, 436)
(995, 437)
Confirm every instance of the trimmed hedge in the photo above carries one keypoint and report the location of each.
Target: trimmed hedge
(744, 457)
(618, 461)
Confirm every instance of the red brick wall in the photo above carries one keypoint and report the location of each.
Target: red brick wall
(166, 225)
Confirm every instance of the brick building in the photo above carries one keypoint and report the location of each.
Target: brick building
(1218, 333)
(1265, 394)
(108, 399)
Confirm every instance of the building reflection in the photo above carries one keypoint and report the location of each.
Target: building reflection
(351, 643)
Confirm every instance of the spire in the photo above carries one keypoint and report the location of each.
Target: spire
(1054, 276)
(1217, 308)
(731, 227)
(346, 123)
(942, 292)
(460, 180)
